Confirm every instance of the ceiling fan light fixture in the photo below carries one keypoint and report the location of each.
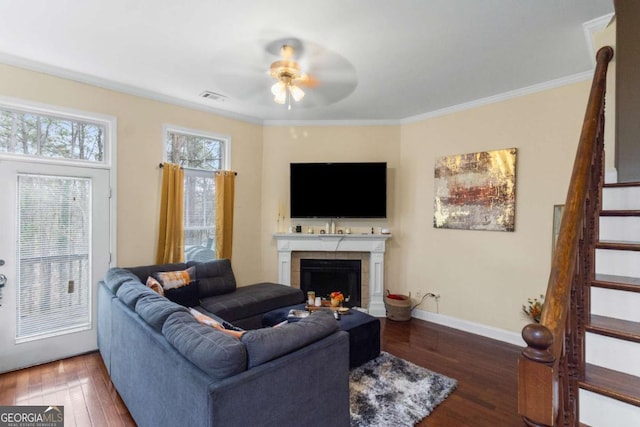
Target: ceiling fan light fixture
(296, 93)
(287, 72)
(281, 97)
(278, 88)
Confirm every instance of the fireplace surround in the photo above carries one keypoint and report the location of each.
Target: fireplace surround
(371, 247)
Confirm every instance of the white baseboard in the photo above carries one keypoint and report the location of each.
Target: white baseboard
(471, 327)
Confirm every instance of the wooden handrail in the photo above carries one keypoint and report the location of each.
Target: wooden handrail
(554, 312)
(540, 398)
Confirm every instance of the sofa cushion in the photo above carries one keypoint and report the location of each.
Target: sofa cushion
(269, 343)
(145, 271)
(252, 300)
(155, 310)
(216, 277)
(175, 279)
(185, 295)
(131, 291)
(216, 353)
(115, 277)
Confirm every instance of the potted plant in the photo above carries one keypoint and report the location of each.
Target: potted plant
(533, 308)
(336, 298)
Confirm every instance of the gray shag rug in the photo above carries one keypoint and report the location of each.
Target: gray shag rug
(389, 391)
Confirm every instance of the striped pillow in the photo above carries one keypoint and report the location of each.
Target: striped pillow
(175, 279)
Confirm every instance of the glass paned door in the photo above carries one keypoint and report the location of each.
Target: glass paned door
(54, 237)
(54, 224)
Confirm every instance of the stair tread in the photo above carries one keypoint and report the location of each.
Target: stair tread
(621, 184)
(620, 212)
(618, 279)
(623, 283)
(616, 328)
(621, 245)
(614, 384)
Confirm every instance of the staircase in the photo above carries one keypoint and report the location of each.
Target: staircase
(580, 366)
(609, 394)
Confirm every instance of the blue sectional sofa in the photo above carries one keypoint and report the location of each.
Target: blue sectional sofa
(172, 370)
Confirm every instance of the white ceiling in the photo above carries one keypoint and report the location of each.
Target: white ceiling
(375, 60)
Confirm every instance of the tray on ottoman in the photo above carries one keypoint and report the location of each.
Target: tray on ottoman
(363, 329)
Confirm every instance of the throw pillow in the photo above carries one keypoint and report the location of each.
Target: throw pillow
(155, 285)
(184, 295)
(175, 279)
(203, 318)
(216, 323)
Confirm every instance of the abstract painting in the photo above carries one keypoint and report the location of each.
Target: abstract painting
(476, 191)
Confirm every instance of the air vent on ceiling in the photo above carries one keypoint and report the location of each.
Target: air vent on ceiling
(213, 96)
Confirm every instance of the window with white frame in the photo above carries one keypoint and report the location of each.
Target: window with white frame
(200, 154)
(31, 134)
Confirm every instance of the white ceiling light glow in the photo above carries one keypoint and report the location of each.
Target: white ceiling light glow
(288, 74)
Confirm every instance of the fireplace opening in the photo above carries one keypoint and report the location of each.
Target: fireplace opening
(324, 276)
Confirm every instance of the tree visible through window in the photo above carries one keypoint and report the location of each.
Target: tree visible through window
(39, 135)
(199, 155)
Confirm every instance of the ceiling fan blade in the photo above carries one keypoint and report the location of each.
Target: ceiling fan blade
(306, 80)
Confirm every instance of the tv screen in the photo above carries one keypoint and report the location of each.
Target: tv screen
(338, 190)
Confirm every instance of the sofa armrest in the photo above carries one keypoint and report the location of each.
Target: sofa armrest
(307, 387)
(105, 297)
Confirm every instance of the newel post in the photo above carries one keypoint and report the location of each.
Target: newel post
(537, 378)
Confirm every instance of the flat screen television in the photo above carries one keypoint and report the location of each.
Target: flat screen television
(338, 190)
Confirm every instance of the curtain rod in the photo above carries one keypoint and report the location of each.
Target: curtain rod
(194, 169)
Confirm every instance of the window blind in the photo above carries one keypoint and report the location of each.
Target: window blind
(54, 266)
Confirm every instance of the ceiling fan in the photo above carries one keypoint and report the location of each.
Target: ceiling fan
(290, 67)
(290, 78)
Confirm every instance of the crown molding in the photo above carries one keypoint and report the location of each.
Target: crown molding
(144, 93)
(553, 84)
(320, 123)
(118, 87)
(592, 27)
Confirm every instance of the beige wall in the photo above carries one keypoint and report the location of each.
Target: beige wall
(482, 276)
(140, 149)
(284, 144)
(485, 276)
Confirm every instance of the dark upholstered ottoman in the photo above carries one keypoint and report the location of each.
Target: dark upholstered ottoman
(363, 329)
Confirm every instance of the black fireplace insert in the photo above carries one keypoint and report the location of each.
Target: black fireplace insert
(324, 276)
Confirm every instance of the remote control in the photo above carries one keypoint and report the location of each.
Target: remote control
(230, 327)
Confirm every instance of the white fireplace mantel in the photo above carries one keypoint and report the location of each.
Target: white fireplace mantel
(372, 243)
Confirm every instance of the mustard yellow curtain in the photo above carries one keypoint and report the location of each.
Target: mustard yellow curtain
(171, 228)
(225, 183)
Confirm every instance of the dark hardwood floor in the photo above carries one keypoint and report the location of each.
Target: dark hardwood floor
(486, 371)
